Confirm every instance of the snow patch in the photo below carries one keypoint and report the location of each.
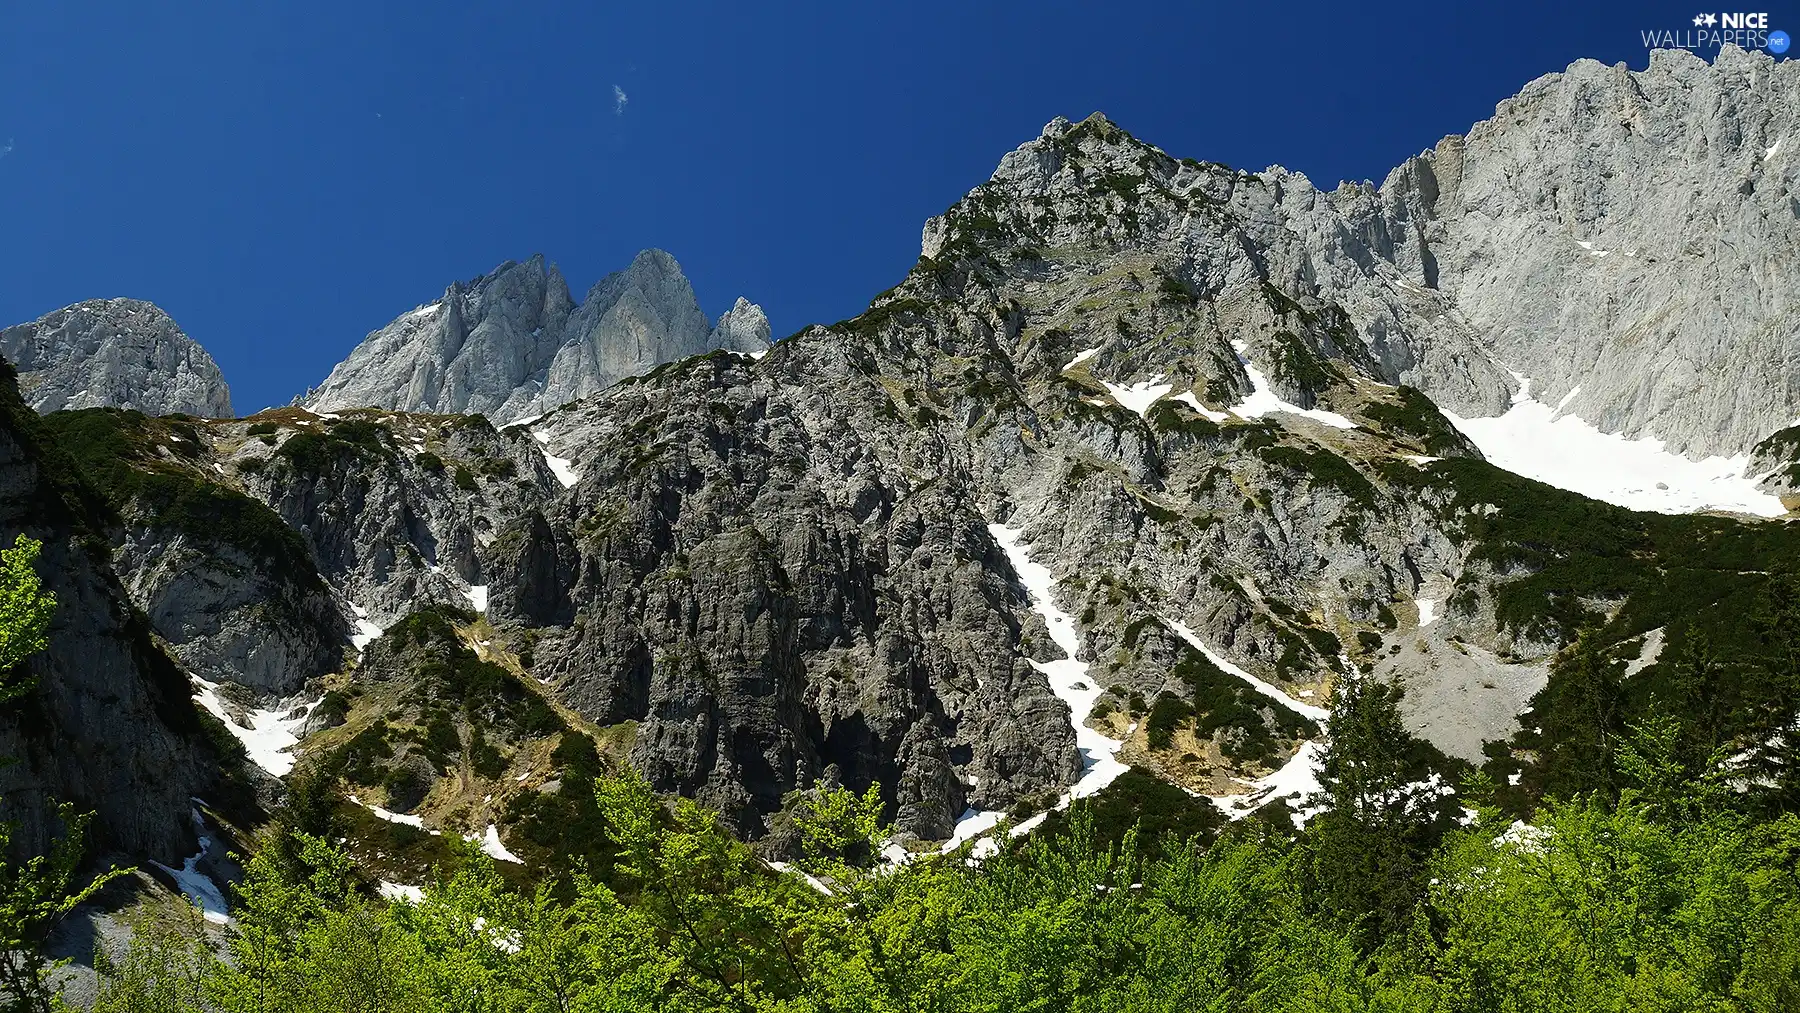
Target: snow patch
(1297, 781)
(272, 732)
(478, 597)
(1193, 402)
(1264, 401)
(811, 880)
(195, 885)
(1269, 690)
(970, 825)
(401, 892)
(1773, 149)
(1533, 440)
(495, 848)
(365, 632)
(1082, 357)
(405, 820)
(1427, 612)
(1141, 395)
(562, 468)
(424, 311)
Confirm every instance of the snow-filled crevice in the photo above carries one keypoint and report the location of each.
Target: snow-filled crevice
(272, 733)
(196, 885)
(1270, 690)
(1068, 676)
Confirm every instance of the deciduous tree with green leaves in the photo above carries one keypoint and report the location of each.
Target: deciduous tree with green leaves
(38, 893)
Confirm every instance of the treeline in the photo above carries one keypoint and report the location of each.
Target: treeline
(1673, 895)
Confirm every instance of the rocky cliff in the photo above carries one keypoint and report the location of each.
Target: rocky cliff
(114, 352)
(513, 343)
(110, 726)
(1626, 239)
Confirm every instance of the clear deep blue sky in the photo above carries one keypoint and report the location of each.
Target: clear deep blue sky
(284, 178)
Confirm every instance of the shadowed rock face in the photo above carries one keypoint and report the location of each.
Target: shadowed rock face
(122, 353)
(110, 726)
(513, 343)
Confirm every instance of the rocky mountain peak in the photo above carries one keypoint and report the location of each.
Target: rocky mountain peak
(742, 328)
(513, 342)
(124, 353)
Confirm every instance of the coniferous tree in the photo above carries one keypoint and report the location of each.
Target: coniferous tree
(1370, 845)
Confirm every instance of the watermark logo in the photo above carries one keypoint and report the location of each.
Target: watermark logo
(1711, 30)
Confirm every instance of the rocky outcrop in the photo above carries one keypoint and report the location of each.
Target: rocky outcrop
(222, 580)
(122, 353)
(513, 343)
(1777, 461)
(742, 328)
(110, 726)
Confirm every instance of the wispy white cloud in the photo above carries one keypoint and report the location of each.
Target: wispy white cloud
(619, 101)
(7, 149)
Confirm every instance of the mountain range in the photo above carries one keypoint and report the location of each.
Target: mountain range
(1141, 459)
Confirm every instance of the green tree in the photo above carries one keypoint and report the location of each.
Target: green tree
(1583, 713)
(1369, 848)
(1776, 689)
(25, 613)
(840, 831)
(38, 893)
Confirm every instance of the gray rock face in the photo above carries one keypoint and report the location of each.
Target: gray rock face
(1777, 460)
(742, 328)
(401, 514)
(114, 353)
(1633, 234)
(110, 726)
(1193, 392)
(513, 343)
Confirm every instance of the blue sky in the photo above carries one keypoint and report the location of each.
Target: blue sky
(283, 178)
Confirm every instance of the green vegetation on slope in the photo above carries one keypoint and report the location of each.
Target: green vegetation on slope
(152, 467)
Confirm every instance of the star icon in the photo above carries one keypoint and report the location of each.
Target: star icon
(1711, 20)
(1699, 19)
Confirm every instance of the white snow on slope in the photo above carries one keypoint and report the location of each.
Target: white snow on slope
(405, 820)
(478, 597)
(1427, 612)
(491, 843)
(562, 468)
(970, 825)
(811, 880)
(365, 629)
(1081, 357)
(424, 311)
(1773, 149)
(195, 885)
(1532, 440)
(1264, 401)
(272, 732)
(400, 891)
(1297, 781)
(1194, 403)
(1267, 689)
(1068, 677)
(1141, 395)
